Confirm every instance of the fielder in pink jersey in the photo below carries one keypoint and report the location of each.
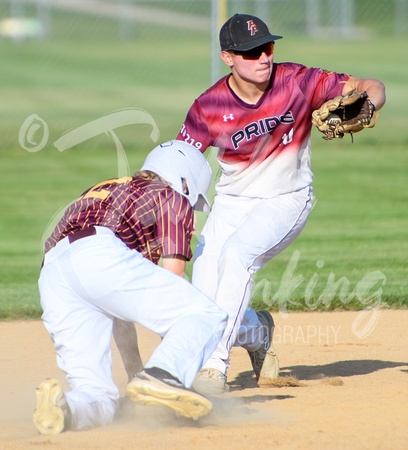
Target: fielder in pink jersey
(100, 272)
(259, 117)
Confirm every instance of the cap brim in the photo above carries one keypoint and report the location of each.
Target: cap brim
(256, 43)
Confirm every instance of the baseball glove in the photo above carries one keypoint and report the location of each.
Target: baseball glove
(348, 113)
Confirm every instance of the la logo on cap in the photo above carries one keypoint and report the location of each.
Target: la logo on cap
(252, 27)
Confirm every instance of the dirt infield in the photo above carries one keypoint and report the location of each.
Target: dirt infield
(344, 385)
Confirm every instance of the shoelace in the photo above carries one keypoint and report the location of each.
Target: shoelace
(265, 342)
(258, 357)
(213, 373)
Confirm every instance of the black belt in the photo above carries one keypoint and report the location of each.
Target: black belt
(90, 231)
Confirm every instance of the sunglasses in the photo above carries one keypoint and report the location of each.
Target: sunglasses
(256, 52)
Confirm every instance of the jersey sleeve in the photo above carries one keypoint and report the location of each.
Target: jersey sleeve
(195, 129)
(175, 224)
(319, 85)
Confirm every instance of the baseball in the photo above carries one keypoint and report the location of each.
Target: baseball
(333, 119)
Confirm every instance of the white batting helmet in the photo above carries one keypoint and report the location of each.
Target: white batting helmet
(185, 168)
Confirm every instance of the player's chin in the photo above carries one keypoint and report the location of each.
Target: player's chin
(263, 75)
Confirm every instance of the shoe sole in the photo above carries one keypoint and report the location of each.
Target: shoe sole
(270, 366)
(182, 402)
(48, 417)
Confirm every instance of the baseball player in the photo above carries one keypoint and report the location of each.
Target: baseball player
(259, 116)
(100, 265)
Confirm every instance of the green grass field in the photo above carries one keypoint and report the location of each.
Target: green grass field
(357, 235)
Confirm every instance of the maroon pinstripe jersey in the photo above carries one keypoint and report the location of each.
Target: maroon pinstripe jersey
(148, 216)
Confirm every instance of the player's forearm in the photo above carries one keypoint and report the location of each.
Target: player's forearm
(125, 337)
(176, 264)
(374, 88)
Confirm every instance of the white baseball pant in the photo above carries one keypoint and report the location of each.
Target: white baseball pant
(84, 285)
(241, 235)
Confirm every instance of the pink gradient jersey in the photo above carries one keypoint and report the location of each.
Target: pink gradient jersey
(264, 149)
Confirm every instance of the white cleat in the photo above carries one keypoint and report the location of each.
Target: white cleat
(48, 417)
(146, 389)
(264, 360)
(210, 382)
